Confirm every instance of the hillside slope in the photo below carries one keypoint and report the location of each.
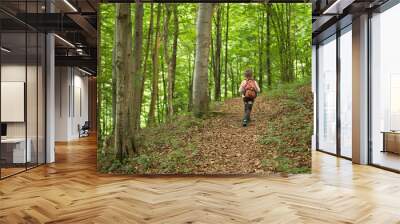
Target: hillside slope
(277, 140)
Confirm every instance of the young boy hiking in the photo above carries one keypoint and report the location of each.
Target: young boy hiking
(249, 89)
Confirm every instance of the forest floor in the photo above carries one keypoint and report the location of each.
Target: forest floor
(277, 140)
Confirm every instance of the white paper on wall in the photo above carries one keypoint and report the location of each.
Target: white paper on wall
(12, 101)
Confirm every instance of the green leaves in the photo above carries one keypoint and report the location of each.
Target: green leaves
(289, 123)
(289, 128)
(243, 49)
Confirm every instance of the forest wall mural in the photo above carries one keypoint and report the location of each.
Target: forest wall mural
(173, 88)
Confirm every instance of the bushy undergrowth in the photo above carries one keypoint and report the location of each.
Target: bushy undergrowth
(161, 150)
(289, 128)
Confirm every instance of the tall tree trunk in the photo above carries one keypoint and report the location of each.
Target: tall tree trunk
(154, 92)
(166, 56)
(100, 114)
(238, 68)
(203, 36)
(211, 68)
(295, 46)
(232, 77)
(137, 67)
(217, 62)
(113, 83)
(174, 50)
(289, 58)
(164, 106)
(147, 50)
(160, 110)
(268, 43)
(123, 142)
(226, 53)
(172, 62)
(260, 33)
(190, 86)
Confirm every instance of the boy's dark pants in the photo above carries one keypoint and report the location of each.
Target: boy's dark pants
(248, 105)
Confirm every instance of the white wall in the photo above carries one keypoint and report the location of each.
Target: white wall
(62, 82)
(71, 102)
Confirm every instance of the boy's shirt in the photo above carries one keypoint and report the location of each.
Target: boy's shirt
(241, 88)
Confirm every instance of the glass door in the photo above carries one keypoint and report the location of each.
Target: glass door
(22, 78)
(327, 95)
(346, 92)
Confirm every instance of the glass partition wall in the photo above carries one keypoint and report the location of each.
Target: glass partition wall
(22, 78)
(345, 61)
(327, 95)
(385, 89)
(334, 104)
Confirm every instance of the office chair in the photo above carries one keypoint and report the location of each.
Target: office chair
(84, 130)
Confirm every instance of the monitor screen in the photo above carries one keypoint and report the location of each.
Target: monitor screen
(3, 129)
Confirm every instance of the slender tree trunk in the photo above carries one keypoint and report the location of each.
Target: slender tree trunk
(190, 86)
(295, 46)
(172, 63)
(203, 36)
(217, 62)
(137, 67)
(147, 50)
(154, 93)
(260, 47)
(123, 142)
(226, 53)
(164, 106)
(160, 110)
(232, 77)
(100, 114)
(113, 84)
(167, 59)
(211, 68)
(174, 47)
(237, 77)
(289, 58)
(268, 43)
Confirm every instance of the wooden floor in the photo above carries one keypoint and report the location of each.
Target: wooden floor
(70, 191)
(5, 172)
(386, 159)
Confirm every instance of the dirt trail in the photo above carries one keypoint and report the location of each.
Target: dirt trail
(228, 148)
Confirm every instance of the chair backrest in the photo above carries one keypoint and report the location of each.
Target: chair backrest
(86, 124)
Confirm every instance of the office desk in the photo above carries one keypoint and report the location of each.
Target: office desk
(391, 141)
(13, 150)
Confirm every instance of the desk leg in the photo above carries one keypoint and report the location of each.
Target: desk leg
(384, 142)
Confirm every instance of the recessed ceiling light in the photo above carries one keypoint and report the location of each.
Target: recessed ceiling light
(70, 5)
(84, 71)
(65, 41)
(5, 50)
(337, 7)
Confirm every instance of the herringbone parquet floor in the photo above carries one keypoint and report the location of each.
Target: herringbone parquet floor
(70, 191)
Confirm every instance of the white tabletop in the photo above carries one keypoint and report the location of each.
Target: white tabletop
(13, 140)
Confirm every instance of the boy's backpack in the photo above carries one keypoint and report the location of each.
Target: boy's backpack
(250, 89)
